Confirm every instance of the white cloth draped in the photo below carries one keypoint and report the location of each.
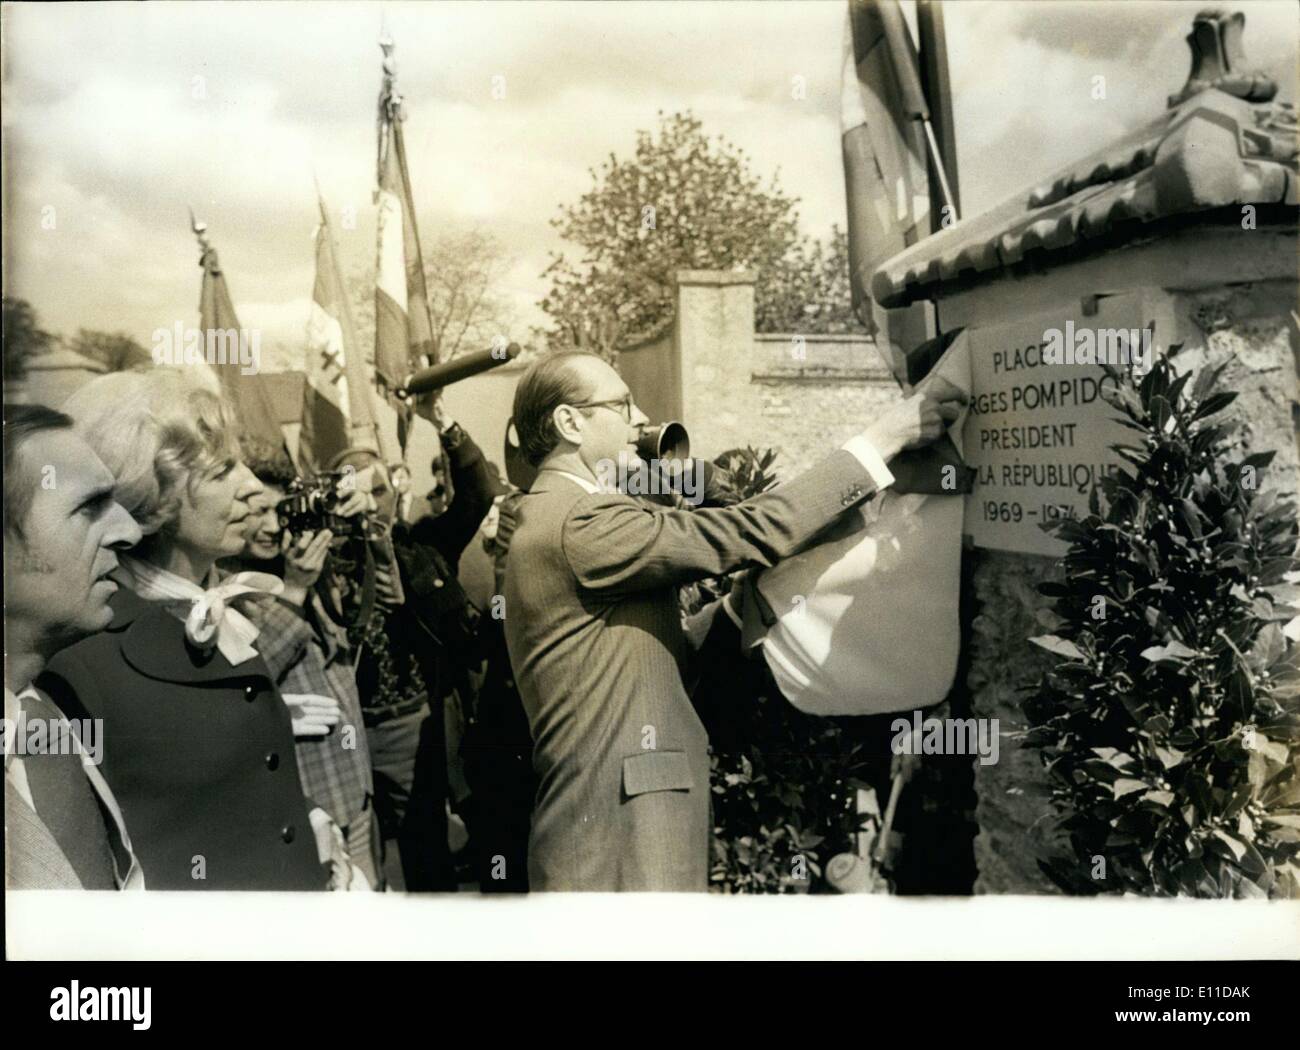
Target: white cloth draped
(868, 622)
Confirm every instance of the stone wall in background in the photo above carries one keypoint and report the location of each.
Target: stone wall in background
(814, 393)
(799, 395)
(1253, 325)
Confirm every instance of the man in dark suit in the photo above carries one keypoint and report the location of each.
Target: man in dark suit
(62, 526)
(594, 631)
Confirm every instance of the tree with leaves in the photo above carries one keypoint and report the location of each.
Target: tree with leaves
(116, 351)
(685, 201)
(1170, 726)
(463, 273)
(23, 337)
(808, 291)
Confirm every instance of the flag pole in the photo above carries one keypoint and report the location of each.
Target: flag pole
(932, 42)
(393, 176)
(241, 387)
(200, 230)
(903, 51)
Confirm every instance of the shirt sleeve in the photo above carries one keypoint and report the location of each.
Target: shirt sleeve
(870, 459)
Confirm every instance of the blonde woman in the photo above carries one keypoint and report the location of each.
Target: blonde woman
(198, 741)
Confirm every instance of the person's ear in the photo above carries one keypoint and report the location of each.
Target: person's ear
(566, 419)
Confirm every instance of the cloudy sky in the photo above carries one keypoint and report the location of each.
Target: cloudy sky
(118, 116)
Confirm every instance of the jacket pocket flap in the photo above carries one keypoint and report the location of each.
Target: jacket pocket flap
(656, 771)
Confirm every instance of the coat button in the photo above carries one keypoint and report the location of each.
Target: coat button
(287, 833)
(272, 761)
(250, 694)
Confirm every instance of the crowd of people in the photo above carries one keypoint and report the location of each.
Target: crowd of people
(285, 706)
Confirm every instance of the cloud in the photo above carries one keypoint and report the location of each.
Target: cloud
(106, 122)
(1024, 76)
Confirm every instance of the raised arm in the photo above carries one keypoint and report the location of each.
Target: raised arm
(618, 545)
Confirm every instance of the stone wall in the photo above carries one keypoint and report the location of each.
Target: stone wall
(652, 372)
(815, 392)
(1012, 794)
(799, 395)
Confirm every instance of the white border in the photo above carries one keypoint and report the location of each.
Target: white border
(207, 925)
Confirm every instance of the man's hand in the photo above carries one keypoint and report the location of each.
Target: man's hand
(915, 421)
(430, 407)
(313, 715)
(354, 503)
(385, 593)
(719, 488)
(331, 849)
(304, 558)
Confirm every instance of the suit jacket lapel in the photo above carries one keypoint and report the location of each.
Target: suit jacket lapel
(126, 868)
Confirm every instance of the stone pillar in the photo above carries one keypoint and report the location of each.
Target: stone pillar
(714, 336)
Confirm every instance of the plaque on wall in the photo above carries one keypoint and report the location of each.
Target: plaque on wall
(1039, 433)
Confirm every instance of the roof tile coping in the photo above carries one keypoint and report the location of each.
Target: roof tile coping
(1211, 150)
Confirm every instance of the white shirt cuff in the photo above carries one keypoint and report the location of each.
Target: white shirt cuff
(870, 460)
(730, 611)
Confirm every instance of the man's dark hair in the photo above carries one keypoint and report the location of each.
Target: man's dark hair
(269, 463)
(21, 423)
(549, 383)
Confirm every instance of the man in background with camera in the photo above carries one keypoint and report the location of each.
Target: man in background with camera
(288, 536)
(416, 649)
(594, 629)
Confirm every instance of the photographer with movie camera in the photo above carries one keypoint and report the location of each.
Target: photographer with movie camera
(416, 649)
(288, 536)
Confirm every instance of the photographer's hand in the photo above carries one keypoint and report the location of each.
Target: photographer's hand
(304, 559)
(313, 715)
(430, 407)
(385, 593)
(357, 502)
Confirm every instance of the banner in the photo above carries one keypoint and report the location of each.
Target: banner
(337, 411)
(221, 328)
(885, 179)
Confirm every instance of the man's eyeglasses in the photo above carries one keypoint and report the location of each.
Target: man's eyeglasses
(622, 405)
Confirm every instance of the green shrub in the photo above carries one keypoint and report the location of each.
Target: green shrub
(1170, 726)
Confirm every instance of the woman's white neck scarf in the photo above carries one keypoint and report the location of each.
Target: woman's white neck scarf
(212, 619)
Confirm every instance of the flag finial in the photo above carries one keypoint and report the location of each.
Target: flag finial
(200, 230)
